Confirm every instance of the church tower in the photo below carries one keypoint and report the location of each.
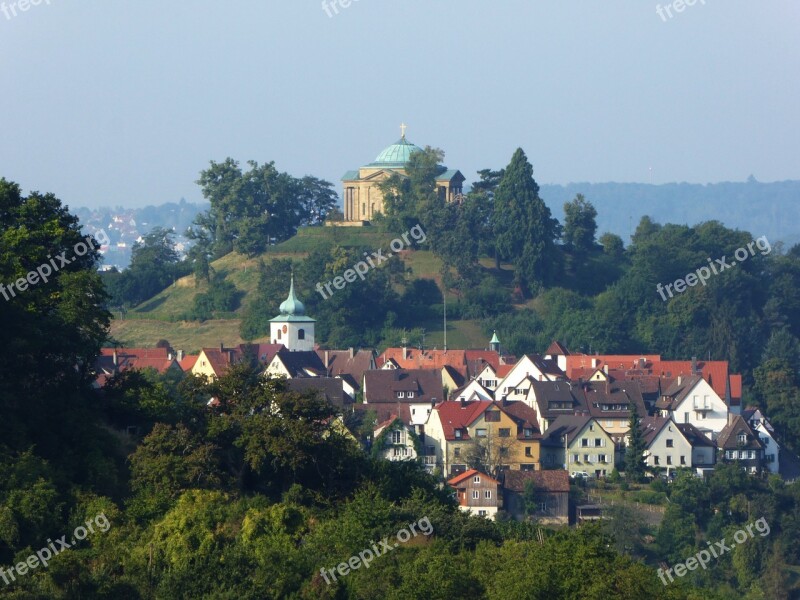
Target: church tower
(292, 327)
(494, 344)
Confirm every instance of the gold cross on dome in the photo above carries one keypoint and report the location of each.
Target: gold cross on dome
(403, 128)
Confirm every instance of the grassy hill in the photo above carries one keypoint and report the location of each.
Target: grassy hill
(162, 316)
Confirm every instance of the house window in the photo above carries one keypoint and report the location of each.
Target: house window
(476, 479)
(575, 458)
(493, 416)
(301, 334)
(279, 334)
(481, 513)
(543, 506)
(603, 458)
(431, 450)
(527, 450)
(742, 438)
(410, 394)
(683, 460)
(487, 495)
(503, 452)
(505, 432)
(480, 433)
(584, 443)
(586, 458)
(456, 452)
(609, 423)
(476, 495)
(669, 460)
(591, 427)
(401, 394)
(752, 454)
(742, 454)
(598, 442)
(655, 459)
(670, 444)
(396, 435)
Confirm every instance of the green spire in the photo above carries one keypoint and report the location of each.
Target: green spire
(494, 338)
(292, 305)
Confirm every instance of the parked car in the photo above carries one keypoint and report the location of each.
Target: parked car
(580, 475)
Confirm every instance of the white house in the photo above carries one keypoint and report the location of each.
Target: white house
(515, 385)
(472, 391)
(692, 400)
(667, 447)
(395, 441)
(763, 428)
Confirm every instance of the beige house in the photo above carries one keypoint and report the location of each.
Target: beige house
(362, 196)
(579, 444)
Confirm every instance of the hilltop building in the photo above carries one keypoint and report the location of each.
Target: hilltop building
(362, 196)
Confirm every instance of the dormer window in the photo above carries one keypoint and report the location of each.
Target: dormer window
(410, 394)
(401, 394)
(528, 432)
(457, 433)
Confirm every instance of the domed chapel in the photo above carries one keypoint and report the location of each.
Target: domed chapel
(362, 196)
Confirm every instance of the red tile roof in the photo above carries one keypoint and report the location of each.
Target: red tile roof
(188, 362)
(468, 363)
(459, 415)
(470, 473)
(133, 358)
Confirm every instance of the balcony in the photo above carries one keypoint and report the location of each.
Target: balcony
(429, 460)
(703, 407)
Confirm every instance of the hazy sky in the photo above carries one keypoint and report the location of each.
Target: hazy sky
(106, 102)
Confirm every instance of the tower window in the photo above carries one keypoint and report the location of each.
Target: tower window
(279, 334)
(301, 334)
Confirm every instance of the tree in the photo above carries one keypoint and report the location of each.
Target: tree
(525, 232)
(634, 453)
(580, 225)
(612, 245)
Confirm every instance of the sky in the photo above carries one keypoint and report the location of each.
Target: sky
(108, 103)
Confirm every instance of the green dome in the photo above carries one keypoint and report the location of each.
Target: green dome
(292, 305)
(396, 155)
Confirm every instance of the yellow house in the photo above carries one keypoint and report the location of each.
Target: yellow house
(362, 195)
(463, 434)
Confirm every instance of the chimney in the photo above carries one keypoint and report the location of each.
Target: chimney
(327, 361)
(405, 353)
(221, 347)
(181, 355)
(605, 369)
(169, 356)
(680, 379)
(694, 365)
(463, 403)
(114, 357)
(352, 352)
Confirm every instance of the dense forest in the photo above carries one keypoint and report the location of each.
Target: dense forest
(257, 494)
